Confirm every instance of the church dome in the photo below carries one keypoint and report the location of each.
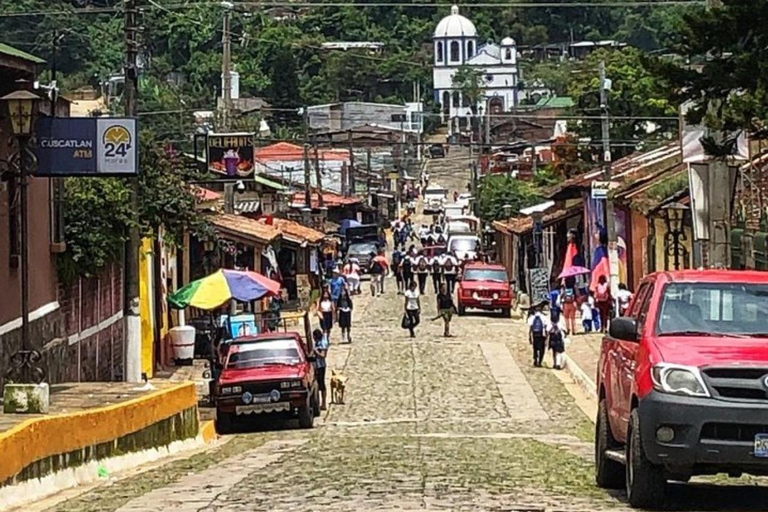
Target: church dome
(508, 41)
(455, 25)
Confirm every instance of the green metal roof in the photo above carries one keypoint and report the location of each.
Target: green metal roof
(556, 102)
(19, 54)
(258, 178)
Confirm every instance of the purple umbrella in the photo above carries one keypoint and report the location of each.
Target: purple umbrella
(573, 271)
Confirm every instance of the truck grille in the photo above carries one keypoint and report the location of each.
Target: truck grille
(732, 432)
(261, 387)
(745, 384)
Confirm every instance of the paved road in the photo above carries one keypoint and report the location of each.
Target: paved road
(429, 424)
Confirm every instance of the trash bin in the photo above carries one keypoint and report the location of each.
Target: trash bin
(182, 344)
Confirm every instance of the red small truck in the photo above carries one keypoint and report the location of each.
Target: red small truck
(484, 286)
(683, 383)
(267, 374)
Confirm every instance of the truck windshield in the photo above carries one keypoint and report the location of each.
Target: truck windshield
(715, 309)
(480, 274)
(463, 244)
(363, 249)
(262, 353)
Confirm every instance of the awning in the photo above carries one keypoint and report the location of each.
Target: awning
(248, 206)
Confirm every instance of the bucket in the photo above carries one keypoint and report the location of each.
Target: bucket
(182, 344)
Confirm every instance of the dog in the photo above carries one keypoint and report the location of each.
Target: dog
(338, 385)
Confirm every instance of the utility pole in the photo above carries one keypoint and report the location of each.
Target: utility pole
(318, 174)
(370, 172)
(610, 220)
(307, 181)
(132, 313)
(226, 66)
(351, 172)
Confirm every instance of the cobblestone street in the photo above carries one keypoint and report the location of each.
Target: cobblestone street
(429, 423)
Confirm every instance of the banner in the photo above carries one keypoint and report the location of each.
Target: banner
(231, 154)
(86, 146)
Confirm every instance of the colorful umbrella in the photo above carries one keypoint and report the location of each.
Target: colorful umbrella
(573, 271)
(216, 289)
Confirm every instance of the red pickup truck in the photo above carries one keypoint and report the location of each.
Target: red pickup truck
(683, 383)
(485, 286)
(267, 374)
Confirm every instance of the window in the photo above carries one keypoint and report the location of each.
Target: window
(470, 48)
(439, 52)
(477, 274)
(446, 102)
(714, 308)
(464, 101)
(263, 353)
(645, 303)
(455, 51)
(456, 99)
(508, 54)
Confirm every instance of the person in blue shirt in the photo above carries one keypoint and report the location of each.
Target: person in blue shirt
(337, 283)
(320, 352)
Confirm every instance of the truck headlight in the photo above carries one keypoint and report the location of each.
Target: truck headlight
(678, 380)
(495, 296)
(290, 384)
(236, 390)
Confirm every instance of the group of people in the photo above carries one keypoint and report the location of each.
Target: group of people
(595, 307)
(418, 266)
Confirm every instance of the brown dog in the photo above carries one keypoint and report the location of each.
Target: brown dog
(338, 385)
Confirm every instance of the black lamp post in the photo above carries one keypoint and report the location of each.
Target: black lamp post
(22, 110)
(674, 217)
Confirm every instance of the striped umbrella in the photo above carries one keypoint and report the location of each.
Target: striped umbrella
(223, 285)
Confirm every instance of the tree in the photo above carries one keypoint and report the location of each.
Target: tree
(469, 82)
(637, 93)
(498, 190)
(728, 90)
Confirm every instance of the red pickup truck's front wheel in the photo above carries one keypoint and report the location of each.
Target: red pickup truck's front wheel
(646, 484)
(609, 474)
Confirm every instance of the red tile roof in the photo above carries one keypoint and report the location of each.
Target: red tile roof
(522, 225)
(203, 194)
(244, 227)
(294, 231)
(329, 199)
(285, 151)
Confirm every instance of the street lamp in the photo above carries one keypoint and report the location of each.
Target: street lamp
(507, 208)
(22, 111)
(674, 217)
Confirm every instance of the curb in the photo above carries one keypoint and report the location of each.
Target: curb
(208, 432)
(580, 377)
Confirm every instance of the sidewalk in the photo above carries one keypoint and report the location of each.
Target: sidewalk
(582, 357)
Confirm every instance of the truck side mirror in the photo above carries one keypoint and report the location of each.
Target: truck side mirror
(623, 328)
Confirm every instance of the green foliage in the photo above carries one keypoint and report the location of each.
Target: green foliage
(731, 78)
(497, 190)
(637, 92)
(98, 211)
(669, 187)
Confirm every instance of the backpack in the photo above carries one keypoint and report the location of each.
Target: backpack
(436, 265)
(422, 264)
(538, 326)
(397, 257)
(441, 239)
(376, 267)
(449, 264)
(570, 296)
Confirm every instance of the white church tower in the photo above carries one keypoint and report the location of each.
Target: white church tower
(456, 44)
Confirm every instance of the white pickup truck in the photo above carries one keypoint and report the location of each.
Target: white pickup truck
(434, 198)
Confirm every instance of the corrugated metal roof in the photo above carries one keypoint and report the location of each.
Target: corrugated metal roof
(19, 54)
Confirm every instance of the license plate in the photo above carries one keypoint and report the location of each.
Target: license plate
(486, 302)
(262, 408)
(761, 446)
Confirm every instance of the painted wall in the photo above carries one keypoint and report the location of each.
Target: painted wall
(146, 307)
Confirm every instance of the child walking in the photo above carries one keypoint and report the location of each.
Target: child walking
(586, 316)
(557, 344)
(445, 309)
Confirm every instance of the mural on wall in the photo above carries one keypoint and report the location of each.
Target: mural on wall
(597, 240)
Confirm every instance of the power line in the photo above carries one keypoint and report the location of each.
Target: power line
(248, 6)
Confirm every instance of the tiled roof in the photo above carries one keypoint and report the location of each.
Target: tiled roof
(296, 232)
(285, 151)
(203, 194)
(556, 102)
(522, 225)
(244, 227)
(329, 199)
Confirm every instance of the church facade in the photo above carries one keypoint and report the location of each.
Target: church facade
(456, 44)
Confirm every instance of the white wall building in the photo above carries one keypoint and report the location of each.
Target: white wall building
(455, 44)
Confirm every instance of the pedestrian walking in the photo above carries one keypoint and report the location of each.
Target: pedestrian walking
(412, 309)
(320, 351)
(557, 345)
(379, 271)
(539, 326)
(595, 312)
(397, 268)
(603, 301)
(408, 267)
(445, 309)
(450, 270)
(344, 309)
(569, 301)
(336, 284)
(422, 271)
(351, 273)
(326, 310)
(586, 316)
(624, 298)
(436, 269)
